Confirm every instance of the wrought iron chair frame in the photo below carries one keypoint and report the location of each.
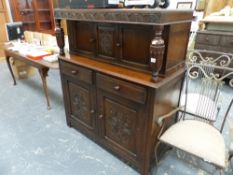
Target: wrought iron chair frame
(194, 64)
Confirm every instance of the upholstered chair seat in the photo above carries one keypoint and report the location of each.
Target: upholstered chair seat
(198, 138)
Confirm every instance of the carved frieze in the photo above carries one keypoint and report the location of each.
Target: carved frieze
(145, 17)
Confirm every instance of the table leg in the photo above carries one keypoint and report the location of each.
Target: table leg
(43, 74)
(10, 68)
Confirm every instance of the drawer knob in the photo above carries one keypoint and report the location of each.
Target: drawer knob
(92, 40)
(207, 39)
(118, 44)
(101, 116)
(74, 72)
(117, 88)
(92, 111)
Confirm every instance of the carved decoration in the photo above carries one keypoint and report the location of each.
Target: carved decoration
(120, 124)
(80, 104)
(81, 107)
(148, 17)
(106, 42)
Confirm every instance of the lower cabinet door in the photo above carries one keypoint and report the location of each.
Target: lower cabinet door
(81, 110)
(121, 123)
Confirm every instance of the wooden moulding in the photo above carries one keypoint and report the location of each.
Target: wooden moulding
(126, 16)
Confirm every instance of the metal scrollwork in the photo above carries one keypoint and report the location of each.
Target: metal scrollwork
(231, 82)
(195, 72)
(223, 60)
(198, 71)
(212, 68)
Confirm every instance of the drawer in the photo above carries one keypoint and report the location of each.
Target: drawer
(225, 49)
(122, 88)
(77, 72)
(207, 39)
(227, 41)
(205, 47)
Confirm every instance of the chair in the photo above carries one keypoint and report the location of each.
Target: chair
(195, 131)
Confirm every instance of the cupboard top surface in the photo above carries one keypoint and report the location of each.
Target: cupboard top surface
(121, 72)
(127, 16)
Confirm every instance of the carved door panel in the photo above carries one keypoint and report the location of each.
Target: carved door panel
(108, 44)
(85, 35)
(81, 99)
(121, 125)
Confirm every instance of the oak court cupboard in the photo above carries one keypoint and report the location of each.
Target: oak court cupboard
(124, 69)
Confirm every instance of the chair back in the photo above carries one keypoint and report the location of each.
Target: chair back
(207, 72)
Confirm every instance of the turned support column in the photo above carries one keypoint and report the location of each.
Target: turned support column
(157, 48)
(60, 37)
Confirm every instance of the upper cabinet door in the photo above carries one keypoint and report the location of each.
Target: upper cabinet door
(108, 41)
(136, 45)
(82, 37)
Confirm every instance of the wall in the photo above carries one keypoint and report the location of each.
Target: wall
(8, 10)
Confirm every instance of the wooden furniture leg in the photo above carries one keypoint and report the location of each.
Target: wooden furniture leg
(10, 68)
(60, 37)
(43, 74)
(157, 49)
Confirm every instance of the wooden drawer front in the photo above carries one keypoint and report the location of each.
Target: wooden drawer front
(205, 47)
(122, 88)
(226, 41)
(225, 49)
(76, 72)
(207, 39)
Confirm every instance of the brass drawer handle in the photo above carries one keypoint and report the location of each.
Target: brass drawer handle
(117, 88)
(74, 72)
(101, 116)
(92, 111)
